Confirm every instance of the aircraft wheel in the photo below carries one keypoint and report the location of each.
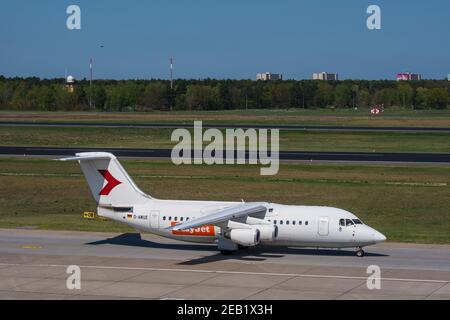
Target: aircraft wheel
(226, 252)
(360, 253)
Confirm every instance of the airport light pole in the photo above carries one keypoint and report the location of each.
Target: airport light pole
(90, 83)
(171, 73)
(171, 84)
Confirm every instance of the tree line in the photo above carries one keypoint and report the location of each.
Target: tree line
(210, 94)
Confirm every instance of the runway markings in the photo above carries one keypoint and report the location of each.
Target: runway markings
(31, 247)
(297, 275)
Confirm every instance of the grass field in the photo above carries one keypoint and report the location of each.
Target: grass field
(408, 204)
(340, 117)
(289, 140)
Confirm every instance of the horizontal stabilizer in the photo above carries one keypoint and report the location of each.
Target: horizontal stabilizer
(89, 156)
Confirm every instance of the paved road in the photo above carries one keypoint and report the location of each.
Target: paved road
(222, 126)
(430, 158)
(33, 264)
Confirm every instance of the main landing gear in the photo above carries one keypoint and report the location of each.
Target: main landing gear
(360, 252)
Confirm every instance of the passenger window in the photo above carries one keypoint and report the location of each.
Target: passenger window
(300, 223)
(181, 218)
(170, 218)
(342, 222)
(287, 221)
(281, 221)
(293, 222)
(164, 218)
(306, 223)
(274, 221)
(349, 222)
(176, 218)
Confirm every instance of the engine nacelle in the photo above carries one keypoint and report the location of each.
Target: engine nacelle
(267, 232)
(245, 237)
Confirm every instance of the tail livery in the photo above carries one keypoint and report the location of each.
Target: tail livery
(109, 182)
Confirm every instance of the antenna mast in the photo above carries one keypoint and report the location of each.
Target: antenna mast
(171, 73)
(171, 96)
(90, 82)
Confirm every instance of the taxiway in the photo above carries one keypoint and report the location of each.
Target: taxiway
(33, 265)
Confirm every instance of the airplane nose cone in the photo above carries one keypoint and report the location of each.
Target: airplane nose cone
(379, 237)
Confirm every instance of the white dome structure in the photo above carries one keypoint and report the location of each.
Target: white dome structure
(70, 84)
(70, 79)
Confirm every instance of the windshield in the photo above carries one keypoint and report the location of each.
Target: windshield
(357, 221)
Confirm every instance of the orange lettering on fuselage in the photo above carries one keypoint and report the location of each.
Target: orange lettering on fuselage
(200, 231)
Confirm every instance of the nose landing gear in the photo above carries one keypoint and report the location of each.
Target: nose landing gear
(360, 252)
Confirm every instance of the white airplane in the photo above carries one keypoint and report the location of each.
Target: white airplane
(232, 225)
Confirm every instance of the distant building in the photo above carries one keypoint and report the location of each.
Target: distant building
(325, 76)
(266, 76)
(70, 84)
(406, 76)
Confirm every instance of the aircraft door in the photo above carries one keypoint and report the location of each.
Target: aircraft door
(324, 224)
(154, 219)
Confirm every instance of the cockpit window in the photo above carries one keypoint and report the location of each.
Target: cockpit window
(357, 221)
(348, 222)
(342, 222)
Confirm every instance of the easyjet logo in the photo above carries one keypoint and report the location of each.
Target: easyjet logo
(111, 182)
(200, 231)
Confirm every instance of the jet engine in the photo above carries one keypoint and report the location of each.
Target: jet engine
(267, 232)
(245, 237)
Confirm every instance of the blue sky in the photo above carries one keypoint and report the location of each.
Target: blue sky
(224, 39)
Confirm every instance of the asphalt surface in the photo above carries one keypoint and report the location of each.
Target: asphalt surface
(33, 265)
(426, 158)
(222, 126)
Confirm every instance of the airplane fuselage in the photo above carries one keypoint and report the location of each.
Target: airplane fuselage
(302, 226)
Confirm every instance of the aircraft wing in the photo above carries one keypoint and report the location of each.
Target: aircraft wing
(223, 215)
